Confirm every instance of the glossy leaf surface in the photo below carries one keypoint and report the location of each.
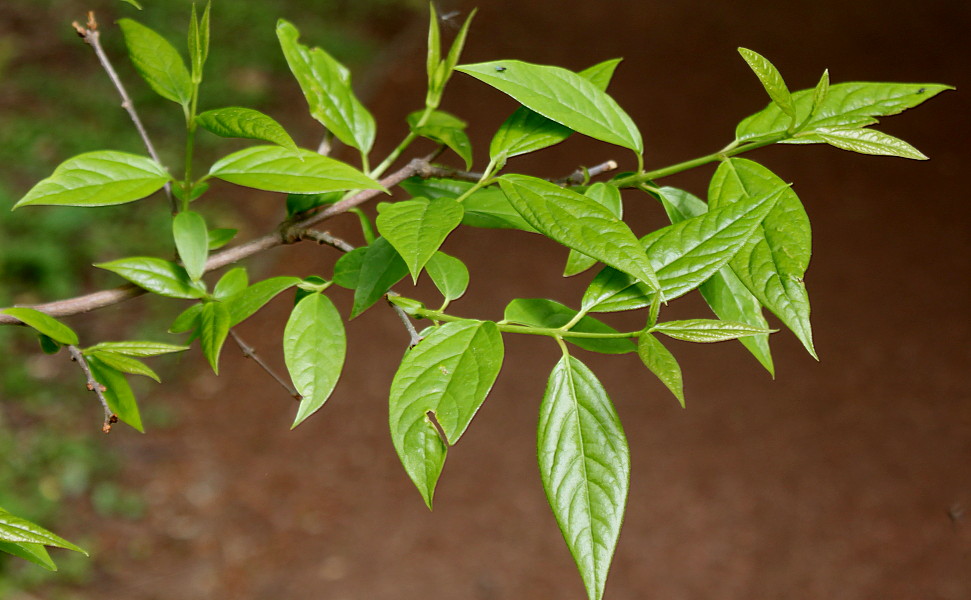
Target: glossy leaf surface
(45, 324)
(662, 363)
(231, 283)
(380, 268)
(540, 312)
(314, 345)
(17, 530)
(35, 553)
(136, 348)
(155, 275)
(237, 122)
(449, 274)
(276, 169)
(444, 129)
(771, 80)
(609, 197)
(100, 178)
(449, 373)
(869, 141)
(706, 330)
(584, 463)
(416, 228)
(157, 61)
(243, 304)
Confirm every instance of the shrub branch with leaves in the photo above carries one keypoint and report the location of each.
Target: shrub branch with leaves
(746, 248)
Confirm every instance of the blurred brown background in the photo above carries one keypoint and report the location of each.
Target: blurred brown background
(845, 478)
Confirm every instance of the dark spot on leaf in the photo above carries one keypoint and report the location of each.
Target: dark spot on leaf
(500, 69)
(921, 90)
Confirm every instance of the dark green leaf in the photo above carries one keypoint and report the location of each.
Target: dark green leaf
(416, 228)
(448, 374)
(314, 345)
(121, 399)
(158, 62)
(214, 323)
(869, 141)
(192, 242)
(155, 275)
(276, 169)
(771, 80)
(584, 463)
(449, 275)
(231, 283)
(486, 208)
(242, 305)
(579, 223)
(609, 197)
(564, 97)
(445, 129)
(347, 269)
(47, 345)
(44, 324)
(381, 268)
(123, 363)
(17, 530)
(98, 179)
(540, 312)
(662, 363)
(236, 122)
(706, 330)
(298, 203)
(326, 84)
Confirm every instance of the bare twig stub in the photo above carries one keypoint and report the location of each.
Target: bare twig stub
(249, 352)
(94, 386)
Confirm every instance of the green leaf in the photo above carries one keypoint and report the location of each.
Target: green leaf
(445, 129)
(121, 399)
(35, 553)
(730, 300)
(845, 106)
(44, 324)
(487, 208)
(192, 242)
(276, 169)
(19, 531)
(123, 363)
(326, 84)
(869, 141)
(434, 56)
(448, 375)
(199, 41)
(819, 93)
(214, 323)
(233, 282)
(347, 269)
(579, 223)
(662, 363)
(158, 62)
(242, 305)
(298, 203)
(584, 463)
(774, 260)
(219, 237)
(159, 276)
(526, 131)
(47, 345)
(381, 268)
(706, 330)
(314, 345)
(771, 80)
(137, 348)
(236, 122)
(416, 228)
(449, 275)
(540, 312)
(684, 255)
(101, 178)
(562, 96)
(609, 197)
(458, 44)
(187, 320)
(133, 3)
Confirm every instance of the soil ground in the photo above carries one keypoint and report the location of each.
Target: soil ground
(840, 479)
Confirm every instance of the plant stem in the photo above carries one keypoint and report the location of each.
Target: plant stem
(555, 332)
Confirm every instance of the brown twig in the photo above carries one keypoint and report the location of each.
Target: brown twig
(325, 239)
(90, 34)
(249, 352)
(94, 386)
(412, 332)
(583, 174)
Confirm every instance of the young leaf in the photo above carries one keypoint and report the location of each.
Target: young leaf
(236, 122)
(845, 106)
(584, 463)
(445, 129)
(123, 363)
(243, 304)
(47, 345)
(563, 96)
(447, 375)
(869, 141)
(706, 330)
(540, 312)
(19, 531)
(141, 349)
(121, 399)
(662, 363)
(347, 269)
(434, 56)
(458, 44)
(199, 41)
(820, 93)
(771, 80)
(155, 275)
(579, 223)
(233, 282)
(774, 260)
(221, 236)
(35, 553)
(100, 178)
(192, 242)
(416, 228)
(214, 323)
(326, 84)
(314, 345)
(158, 62)
(381, 268)
(133, 3)
(276, 169)
(449, 275)
(44, 324)
(609, 197)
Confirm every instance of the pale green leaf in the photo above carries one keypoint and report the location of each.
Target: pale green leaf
(314, 345)
(869, 141)
(158, 62)
(820, 93)
(231, 283)
(18, 530)
(609, 197)
(448, 374)
(562, 96)
(381, 268)
(159, 276)
(198, 41)
(584, 463)
(100, 178)
(347, 269)
(434, 56)
(214, 324)
(192, 242)
(35, 553)
(771, 80)
(243, 304)
(416, 228)
(121, 399)
(662, 363)
(137, 348)
(579, 223)
(449, 275)
(236, 122)
(706, 330)
(221, 236)
(276, 169)
(187, 320)
(44, 323)
(133, 3)
(123, 363)
(540, 312)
